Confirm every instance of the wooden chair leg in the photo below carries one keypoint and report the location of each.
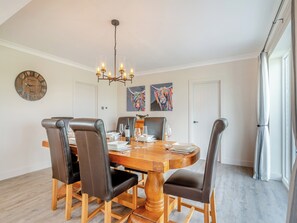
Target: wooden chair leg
(206, 213)
(213, 208)
(54, 194)
(134, 197)
(107, 211)
(68, 201)
(179, 206)
(166, 208)
(84, 208)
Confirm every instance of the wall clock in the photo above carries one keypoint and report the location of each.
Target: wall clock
(30, 85)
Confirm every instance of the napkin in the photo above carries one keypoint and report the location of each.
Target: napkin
(71, 140)
(118, 145)
(146, 138)
(112, 136)
(183, 148)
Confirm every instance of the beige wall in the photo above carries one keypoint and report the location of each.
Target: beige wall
(21, 132)
(238, 104)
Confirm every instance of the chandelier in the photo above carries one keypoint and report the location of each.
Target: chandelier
(122, 77)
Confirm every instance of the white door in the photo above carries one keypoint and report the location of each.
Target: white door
(205, 109)
(85, 100)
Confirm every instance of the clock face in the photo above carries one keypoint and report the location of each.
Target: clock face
(30, 85)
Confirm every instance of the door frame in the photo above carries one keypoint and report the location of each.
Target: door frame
(287, 145)
(191, 98)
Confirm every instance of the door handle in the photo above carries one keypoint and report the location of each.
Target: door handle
(195, 122)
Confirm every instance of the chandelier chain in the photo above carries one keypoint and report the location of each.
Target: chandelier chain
(115, 50)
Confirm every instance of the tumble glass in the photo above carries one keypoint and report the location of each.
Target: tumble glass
(121, 129)
(144, 133)
(137, 134)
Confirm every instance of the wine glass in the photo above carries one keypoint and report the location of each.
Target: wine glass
(137, 134)
(121, 129)
(168, 132)
(144, 133)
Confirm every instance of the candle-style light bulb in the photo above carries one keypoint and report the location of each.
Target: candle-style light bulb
(109, 74)
(125, 76)
(103, 65)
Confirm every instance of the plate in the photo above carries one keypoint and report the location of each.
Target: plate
(117, 144)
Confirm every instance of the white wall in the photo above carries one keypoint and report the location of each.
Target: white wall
(21, 132)
(275, 124)
(238, 104)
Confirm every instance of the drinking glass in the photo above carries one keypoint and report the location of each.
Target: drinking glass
(168, 131)
(137, 133)
(144, 133)
(121, 129)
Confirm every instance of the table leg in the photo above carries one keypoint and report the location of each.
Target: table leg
(154, 191)
(152, 211)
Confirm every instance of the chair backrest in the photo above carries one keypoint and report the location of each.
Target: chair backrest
(61, 157)
(212, 155)
(65, 119)
(156, 126)
(93, 157)
(124, 120)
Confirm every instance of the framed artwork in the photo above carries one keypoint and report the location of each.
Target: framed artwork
(161, 97)
(136, 98)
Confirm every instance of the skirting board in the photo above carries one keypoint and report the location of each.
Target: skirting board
(276, 176)
(237, 162)
(23, 170)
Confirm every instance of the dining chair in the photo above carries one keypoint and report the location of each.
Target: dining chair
(196, 186)
(124, 120)
(156, 126)
(65, 167)
(98, 179)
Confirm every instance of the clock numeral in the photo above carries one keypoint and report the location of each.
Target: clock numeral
(40, 78)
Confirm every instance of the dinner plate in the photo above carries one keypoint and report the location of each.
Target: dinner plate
(117, 144)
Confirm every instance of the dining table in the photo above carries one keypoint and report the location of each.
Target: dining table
(155, 159)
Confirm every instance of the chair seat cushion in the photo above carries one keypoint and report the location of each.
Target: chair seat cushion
(185, 184)
(122, 181)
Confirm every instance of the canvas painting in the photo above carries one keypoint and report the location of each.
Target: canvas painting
(136, 98)
(161, 97)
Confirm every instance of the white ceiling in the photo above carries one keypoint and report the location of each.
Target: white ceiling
(152, 34)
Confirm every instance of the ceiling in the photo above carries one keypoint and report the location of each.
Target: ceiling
(153, 35)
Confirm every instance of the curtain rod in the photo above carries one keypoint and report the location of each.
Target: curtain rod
(273, 23)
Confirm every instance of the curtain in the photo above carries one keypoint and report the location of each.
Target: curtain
(292, 204)
(262, 152)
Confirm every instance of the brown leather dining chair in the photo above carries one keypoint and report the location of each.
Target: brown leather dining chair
(196, 186)
(98, 179)
(156, 126)
(65, 167)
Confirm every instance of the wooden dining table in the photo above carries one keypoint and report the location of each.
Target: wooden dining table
(155, 159)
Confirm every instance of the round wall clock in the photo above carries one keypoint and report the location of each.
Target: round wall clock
(30, 85)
